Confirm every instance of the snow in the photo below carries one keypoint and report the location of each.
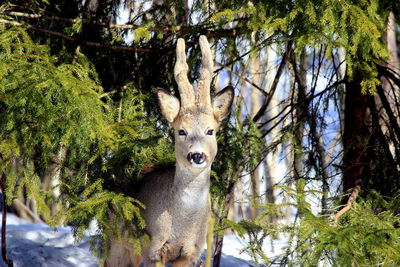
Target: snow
(34, 245)
(234, 246)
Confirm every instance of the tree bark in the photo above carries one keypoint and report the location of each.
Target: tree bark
(272, 159)
(255, 178)
(300, 76)
(355, 132)
(371, 124)
(219, 239)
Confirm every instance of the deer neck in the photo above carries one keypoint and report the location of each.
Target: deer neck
(186, 180)
(191, 191)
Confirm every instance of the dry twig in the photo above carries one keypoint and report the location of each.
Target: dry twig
(352, 198)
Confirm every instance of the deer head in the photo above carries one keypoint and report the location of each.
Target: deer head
(196, 117)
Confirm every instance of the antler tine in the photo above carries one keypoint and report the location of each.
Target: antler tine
(180, 72)
(203, 93)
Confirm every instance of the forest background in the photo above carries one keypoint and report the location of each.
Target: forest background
(310, 151)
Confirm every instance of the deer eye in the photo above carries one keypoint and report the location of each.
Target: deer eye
(182, 132)
(210, 132)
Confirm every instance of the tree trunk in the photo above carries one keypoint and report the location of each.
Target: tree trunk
(355, 132)
(52, 176)
(271, 162)
(301, 113)
(371, 124)
(255, 178)
(223, 214)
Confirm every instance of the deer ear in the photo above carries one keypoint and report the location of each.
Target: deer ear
(169, 104)
(222, 103)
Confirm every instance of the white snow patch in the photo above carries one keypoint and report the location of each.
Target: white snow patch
(34, 245)
(234, 246)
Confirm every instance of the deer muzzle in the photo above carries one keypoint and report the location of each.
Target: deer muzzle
(196, 158)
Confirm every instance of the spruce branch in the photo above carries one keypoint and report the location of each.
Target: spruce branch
(206, 29)
(40, 16)
(76, 40)
(209, 32)
(95, 23)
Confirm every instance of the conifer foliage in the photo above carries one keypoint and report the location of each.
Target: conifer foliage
(45, 109)
(57, 113)
(366, 236)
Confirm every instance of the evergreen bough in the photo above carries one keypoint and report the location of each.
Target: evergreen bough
(57, 113)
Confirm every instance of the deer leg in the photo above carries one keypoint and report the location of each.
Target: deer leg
(184, 262)
(136, 260)
(119, 255)
(150, 263)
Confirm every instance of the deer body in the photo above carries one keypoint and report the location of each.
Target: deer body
(178, 223)
(177, 199)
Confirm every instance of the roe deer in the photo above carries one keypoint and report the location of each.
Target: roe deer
(177, 200)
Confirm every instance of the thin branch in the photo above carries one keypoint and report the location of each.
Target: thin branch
(321, 56)
(204, 29)
(384, 72)
(393, 121)
(330, 87)
(76, 40)
(352, 198)
(277, 123)
(388, 73)
(254, 48)
(274, 85)
(198, 28)
(86, 21)
(277, 115)
(39, 16)
(107, 94)
(246, 80)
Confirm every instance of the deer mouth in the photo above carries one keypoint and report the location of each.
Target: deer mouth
(197, 160)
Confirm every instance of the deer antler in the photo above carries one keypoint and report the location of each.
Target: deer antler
(203, 91)
(181, 68)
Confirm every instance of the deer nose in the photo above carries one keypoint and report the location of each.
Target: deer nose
(197, 158)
